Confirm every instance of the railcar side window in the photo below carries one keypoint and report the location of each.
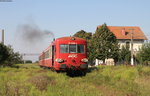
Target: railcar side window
(40, 58)
(64, 48)
(47, 54)
(80, 48)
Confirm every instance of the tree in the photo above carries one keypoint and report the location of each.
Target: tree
(4, 53)
(83, 34)
(143, 55)
(8, 57)
(87, 36)
(104, 44)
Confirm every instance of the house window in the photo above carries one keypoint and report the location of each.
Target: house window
(128, 44)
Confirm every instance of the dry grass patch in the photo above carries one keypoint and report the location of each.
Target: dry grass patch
(42, 81)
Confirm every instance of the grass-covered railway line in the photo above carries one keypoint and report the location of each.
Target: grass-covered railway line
(31, 80)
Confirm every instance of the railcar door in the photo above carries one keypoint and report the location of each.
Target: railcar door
(43, 59)
(53, 53)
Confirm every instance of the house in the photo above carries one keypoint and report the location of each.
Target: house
(124, 34)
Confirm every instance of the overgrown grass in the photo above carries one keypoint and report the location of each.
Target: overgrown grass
(30, 80)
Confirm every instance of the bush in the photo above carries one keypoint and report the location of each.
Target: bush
(28, 61)
(144, 54)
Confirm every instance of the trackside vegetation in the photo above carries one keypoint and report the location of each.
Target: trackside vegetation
(31, 80)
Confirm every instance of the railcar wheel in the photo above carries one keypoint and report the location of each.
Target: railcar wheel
(83, 73)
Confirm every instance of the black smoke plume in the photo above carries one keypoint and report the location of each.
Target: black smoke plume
(31, 33)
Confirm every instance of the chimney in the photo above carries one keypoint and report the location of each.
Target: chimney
(2, 36)
(123, 32)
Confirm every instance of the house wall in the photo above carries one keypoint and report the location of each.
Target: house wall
(137, 44)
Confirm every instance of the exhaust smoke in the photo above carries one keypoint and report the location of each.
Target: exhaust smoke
(31, 33)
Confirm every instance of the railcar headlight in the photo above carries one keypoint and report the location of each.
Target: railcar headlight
(59, 60)
(84, 60)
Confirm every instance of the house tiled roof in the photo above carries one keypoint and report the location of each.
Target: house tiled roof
(124, 32)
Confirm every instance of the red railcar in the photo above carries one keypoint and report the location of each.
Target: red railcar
(65, 53)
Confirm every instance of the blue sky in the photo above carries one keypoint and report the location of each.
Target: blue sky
(66, 17)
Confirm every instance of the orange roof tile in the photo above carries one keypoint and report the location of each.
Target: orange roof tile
(124, 32)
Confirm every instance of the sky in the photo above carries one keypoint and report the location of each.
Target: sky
(66, 17)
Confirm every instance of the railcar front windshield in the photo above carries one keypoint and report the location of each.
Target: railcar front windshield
(72, 48)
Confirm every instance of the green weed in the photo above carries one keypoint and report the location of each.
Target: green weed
(30, 80)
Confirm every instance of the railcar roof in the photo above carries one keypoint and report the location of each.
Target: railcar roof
(47, 48)
(69, 38)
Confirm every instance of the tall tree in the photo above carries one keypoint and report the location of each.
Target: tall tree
(104, 44)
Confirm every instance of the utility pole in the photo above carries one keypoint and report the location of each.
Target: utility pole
(132, 59)
(23, 57)
(2, 36)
